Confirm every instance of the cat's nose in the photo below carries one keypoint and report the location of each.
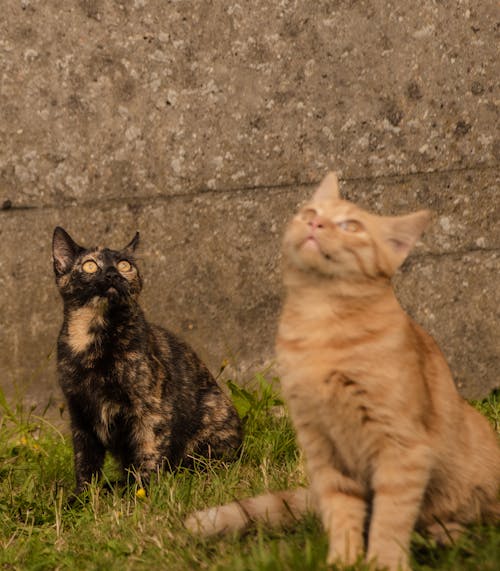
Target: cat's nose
(111, 274)
(316, 222)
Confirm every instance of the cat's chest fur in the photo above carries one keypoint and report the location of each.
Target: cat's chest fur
(344, 384)
(343, 410)
(103, 378)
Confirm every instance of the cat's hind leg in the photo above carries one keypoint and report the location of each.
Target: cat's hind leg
(220, 433)
(449, 531)
(445, 533)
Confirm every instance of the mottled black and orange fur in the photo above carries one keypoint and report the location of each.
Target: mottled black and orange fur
(132, 388)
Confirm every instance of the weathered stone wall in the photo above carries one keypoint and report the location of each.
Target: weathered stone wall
(204, 123)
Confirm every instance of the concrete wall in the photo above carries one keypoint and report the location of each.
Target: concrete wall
(204, 123)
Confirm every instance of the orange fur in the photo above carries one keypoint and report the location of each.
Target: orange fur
(376, 411)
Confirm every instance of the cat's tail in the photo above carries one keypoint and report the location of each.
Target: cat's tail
(273, 509)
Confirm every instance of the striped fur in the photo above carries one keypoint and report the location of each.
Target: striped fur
(389, 444)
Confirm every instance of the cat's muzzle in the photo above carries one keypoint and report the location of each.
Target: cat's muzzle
(114, 286)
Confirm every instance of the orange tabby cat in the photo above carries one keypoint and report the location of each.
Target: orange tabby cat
(376, 411)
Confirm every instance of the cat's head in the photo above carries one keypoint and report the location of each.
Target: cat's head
(335, 238)
(83, 274)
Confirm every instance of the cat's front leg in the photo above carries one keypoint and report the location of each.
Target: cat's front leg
(343, 515)
(399, 484)
(143, 450)
(340, 499)
(88, 455)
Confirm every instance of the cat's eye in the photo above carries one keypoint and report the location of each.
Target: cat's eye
(350, 225)
(124, 266)
(90, 267)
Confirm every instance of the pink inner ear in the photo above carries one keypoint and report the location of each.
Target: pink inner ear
(402, 232)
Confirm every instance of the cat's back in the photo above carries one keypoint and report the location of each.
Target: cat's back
(462, 437)
(435, 375)
(446, 402)
(175, 357)
(183, 375)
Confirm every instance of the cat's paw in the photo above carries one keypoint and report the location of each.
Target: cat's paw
(349, 557)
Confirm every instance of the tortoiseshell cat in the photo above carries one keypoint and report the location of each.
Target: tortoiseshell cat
(132, 388)
(387, 439)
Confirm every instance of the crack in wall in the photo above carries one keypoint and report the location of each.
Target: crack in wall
(8, 205)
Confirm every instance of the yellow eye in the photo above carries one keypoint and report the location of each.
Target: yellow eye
(350, 225)
(124, 266)
(90, 267)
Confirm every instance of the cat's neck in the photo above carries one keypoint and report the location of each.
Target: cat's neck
(103, 310)
(314, 296)
(101, 325)
(342, 289)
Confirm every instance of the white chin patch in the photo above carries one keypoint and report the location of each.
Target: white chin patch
(311, 245)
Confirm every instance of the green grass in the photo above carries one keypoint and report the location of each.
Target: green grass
(118, 530)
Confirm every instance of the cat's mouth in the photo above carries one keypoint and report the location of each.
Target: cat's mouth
(114, 291)
(312, 244)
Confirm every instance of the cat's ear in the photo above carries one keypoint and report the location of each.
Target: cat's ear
(64, 250)
(132, 245)
(402, 232)
(328, 189)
